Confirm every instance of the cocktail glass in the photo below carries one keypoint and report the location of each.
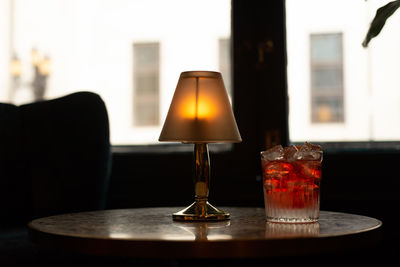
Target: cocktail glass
(291, 181)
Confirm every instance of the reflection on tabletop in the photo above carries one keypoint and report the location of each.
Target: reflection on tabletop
(203, 231)
(288, 230)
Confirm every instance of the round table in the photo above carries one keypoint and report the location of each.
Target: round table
(151, 233)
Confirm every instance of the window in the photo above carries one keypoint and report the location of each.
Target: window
(326, 78)
(132, 59)
(146, 77)
(338, 90)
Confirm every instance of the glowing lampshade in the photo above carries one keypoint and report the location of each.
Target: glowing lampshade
(200, 111)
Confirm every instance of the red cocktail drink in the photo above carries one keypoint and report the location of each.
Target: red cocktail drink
(291, 184)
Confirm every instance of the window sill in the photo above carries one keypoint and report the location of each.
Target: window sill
(387, 147)
(167, 148)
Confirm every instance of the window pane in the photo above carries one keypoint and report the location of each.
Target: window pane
(326, 47)
(146, 68)
(131, 52)
(327, 109)
(324, 78)
(338, 90)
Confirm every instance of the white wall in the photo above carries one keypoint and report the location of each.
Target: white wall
(385, 69)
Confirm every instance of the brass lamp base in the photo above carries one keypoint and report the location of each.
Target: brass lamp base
(201, 211)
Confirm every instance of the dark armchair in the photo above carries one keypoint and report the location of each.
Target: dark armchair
(54, 158)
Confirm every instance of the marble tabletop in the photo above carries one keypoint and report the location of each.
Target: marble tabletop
(151, 232)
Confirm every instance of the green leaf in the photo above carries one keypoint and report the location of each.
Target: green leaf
(382, 14)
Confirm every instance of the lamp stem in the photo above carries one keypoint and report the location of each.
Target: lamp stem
(201, 172)
(201, 210)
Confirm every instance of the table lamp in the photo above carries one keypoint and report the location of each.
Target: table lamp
(200, 113)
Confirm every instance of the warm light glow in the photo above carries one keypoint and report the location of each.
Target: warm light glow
(200, 111)
(35, 57)
(44, 66)
(324, 113)
(16, 68)
(203, 110)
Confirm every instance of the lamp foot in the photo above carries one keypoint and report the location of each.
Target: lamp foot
(201, 211)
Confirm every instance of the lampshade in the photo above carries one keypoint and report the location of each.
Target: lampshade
(200, 111)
